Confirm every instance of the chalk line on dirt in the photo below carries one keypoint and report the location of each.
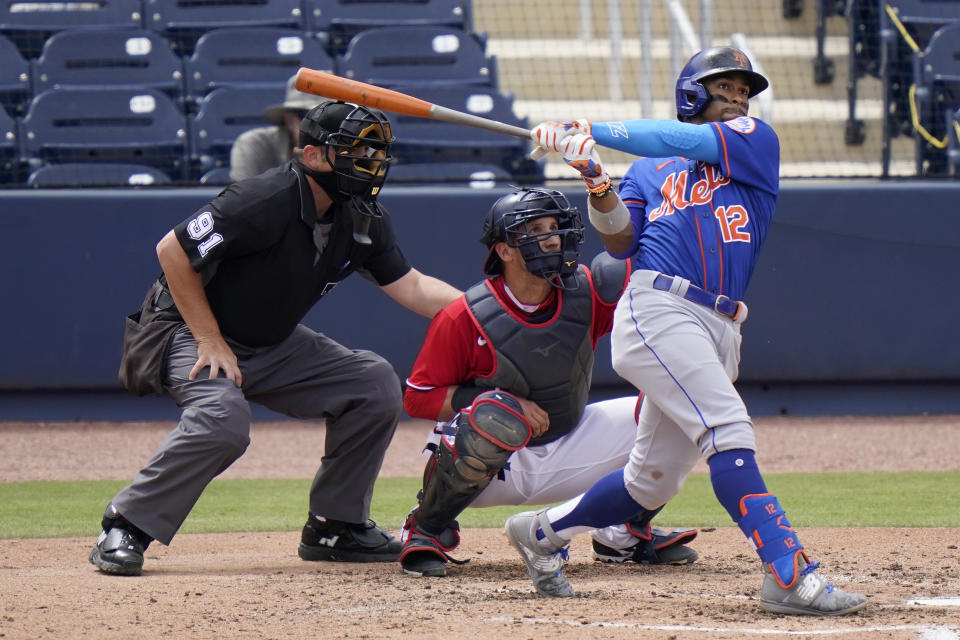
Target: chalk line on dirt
(926, 632)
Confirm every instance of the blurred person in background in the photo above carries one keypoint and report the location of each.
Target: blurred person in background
(263, 148)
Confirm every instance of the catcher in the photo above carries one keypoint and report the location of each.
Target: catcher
(506, 369)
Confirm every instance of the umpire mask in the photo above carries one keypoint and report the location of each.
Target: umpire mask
(507, 222)
(360, 138)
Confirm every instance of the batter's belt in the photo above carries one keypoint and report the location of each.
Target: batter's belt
(736, 311)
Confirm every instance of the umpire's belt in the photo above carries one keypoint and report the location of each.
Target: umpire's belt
(736, 311)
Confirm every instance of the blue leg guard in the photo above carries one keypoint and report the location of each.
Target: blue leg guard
(766, 527)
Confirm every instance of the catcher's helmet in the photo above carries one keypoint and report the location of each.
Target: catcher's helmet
(507, 222)
(692, 96)
(361, 138)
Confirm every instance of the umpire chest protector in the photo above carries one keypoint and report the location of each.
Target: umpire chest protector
(551, 365)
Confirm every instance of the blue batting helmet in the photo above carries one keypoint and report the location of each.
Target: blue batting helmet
(692, 96)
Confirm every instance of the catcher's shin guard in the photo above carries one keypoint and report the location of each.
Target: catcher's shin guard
(768, 531)
(487, 433)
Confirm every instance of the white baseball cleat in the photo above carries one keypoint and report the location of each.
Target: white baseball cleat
(544, 564)
(810, 594)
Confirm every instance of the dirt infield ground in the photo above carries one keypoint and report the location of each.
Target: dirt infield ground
(254, 586)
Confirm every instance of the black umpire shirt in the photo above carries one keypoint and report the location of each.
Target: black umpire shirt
(254, 246)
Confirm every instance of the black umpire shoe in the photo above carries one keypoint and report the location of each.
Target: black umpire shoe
(338, 541)
(118, 552)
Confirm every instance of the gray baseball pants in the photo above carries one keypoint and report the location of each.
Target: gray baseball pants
(307, 376)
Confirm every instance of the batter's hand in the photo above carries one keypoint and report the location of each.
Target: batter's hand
(538, 418)
(552, 136)
(217, 354)
(578, 147)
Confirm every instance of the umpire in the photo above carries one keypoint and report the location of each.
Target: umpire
(220, 329)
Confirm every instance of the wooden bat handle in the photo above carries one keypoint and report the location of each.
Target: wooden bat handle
(330, 86)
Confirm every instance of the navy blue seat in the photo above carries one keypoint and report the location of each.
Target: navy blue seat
(417, 56)
(106, 124)
(9, 149)
(343, 19)
(122, 57)
(420, 140)
(222, 116)
(936, 77)
(216, 177)
(905, 29)
(240, 57)
(14, 78)
(29, 24)
(953, 144)
(184, 21)
(94, 174)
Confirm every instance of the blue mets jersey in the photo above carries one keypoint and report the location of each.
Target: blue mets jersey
(706, 222)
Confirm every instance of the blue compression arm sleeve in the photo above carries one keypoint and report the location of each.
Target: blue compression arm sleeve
(659, 139)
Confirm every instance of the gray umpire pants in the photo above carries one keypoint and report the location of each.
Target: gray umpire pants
(309, 376)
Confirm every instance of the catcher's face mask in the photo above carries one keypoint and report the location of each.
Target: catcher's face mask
(510, 221)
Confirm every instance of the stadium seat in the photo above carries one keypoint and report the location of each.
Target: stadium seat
(29, 24)
(14, 78)
(222, 116)
(106, 124)
(184, 21)
(422, 140)
(953, 144)
(417, 56)
(218, 176)
(884, 37)
(936, 77)
(9, 149)
(475, 174)
(94, 174)
(122, 57)
(242, 57)
(343, 19)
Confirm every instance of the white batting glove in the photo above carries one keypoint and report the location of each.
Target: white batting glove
(573, 141)
(551, 136)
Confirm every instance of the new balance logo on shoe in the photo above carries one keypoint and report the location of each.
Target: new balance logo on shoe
(808, 586)
(328, 542)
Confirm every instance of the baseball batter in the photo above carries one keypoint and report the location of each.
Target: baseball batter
(693, 213)
(506, 370)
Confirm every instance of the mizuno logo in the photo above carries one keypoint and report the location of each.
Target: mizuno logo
(481, 342)
(545, 351)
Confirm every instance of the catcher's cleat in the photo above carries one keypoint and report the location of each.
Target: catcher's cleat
(337, 541)
(425, 555)
(118, 552)
(662, 547)
(545, 565)
(808, 595)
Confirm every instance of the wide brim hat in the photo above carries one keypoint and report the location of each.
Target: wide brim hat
(294, 100)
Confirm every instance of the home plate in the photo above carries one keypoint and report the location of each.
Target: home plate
(935, 602)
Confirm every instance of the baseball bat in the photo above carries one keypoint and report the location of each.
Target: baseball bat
(331, 86)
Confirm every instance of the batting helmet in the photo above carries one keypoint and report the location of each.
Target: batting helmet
(692, 96)
(507, 222)
(361, 138)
